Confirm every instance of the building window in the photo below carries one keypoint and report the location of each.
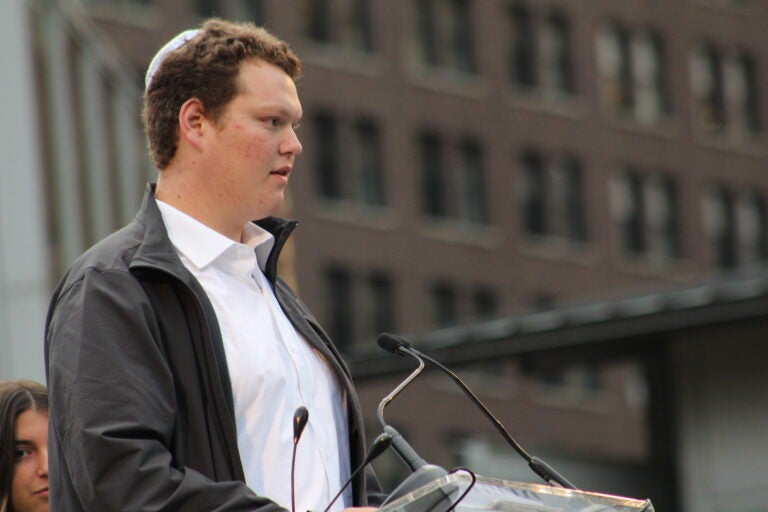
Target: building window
(328, 161)
(648, 77)
(753, 241)
(484, 303)
(723, 227)
(647, 214)
(370, 178)
(708, 87)
(442, 34)
(557, 73)
(360, 26)
(523, 50)
(571, 192)
(736, 226)
(665, 225)
(341, 22)
(245, 10)
(433, 183)
(725, 91)
(453, 182)
(534, 194)
(207, 8)
(425, 31)
(540, 52)
(474, 204)
(381, 314)
(741, 88)
(462, 55)
(444, 304)
(614, 67)
(552, 198)
(356, 176)
(318, 20)
(632, 72)
(340, 303)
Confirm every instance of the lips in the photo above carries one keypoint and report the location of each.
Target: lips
(282, 171)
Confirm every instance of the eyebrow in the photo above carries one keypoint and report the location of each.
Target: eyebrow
(280, 110)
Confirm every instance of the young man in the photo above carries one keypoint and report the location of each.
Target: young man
(175, 356)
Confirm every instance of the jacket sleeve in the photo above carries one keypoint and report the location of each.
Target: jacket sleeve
(112, 408)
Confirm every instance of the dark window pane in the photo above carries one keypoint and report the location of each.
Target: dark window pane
(208, 8)
(362, 27)
(247, 10)
(485, 303)
(561, 34)
(625, 93)
(327, 150)
(318, 20)
(660, 78)
(462, 43)
(713, 115)
(726, 236)
(523, 51)
(369, 163)
(573, 199)
(634, 226)
(426, 34)
(751, 106)
(473, 175)
(671, 227)
(760, 210)
(534, 197)
(444, 304)
(382, 304)
(433, 186)
(339, 300)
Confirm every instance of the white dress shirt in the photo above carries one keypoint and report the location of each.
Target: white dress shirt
(273, 369)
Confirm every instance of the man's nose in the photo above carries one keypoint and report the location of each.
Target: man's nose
(291, 144)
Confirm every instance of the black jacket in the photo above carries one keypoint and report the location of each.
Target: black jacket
(141, 407)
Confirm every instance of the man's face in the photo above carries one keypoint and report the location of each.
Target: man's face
(253, 146)
(29, 486)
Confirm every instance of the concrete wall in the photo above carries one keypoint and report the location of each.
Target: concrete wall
(723, 419)
(24, 258)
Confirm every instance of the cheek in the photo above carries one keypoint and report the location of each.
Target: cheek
(257, 148)
(21, 480)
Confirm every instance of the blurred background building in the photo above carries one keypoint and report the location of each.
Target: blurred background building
(565, 200)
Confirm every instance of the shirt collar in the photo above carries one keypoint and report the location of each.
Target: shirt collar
(203, 245)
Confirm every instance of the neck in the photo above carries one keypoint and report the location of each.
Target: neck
(191, 199)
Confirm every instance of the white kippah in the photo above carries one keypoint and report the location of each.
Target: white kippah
(173, 44)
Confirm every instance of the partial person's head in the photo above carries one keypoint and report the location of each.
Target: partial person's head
(204, 64)
(220, 111)
(23, 447)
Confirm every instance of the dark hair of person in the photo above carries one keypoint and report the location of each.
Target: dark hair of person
(16, 397)
(206, 67)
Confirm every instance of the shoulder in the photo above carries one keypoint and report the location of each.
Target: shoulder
(111, 257)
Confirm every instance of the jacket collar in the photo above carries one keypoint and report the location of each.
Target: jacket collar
(156, 250)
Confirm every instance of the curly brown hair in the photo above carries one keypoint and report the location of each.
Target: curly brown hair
(205, 67)
(16, 397)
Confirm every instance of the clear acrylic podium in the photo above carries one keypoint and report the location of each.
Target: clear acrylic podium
(496, 495)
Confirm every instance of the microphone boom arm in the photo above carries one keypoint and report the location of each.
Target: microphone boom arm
(385, 401)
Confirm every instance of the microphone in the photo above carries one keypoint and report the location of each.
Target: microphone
(421, 472)
(397, 345)
(300, 418)
(379, 445)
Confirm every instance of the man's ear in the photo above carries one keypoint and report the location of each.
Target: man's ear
(191, 122)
